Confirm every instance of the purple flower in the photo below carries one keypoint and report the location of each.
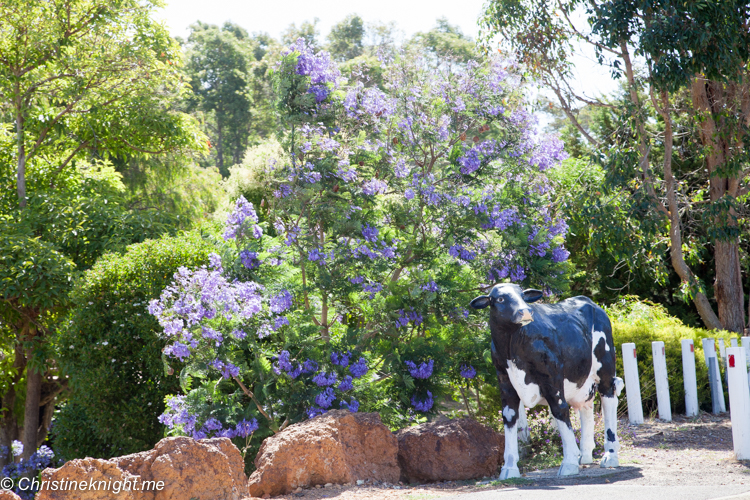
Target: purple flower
(409, 193)
(374, 186)
(214, 261)
(340, 359)
(322, 379)
(325, 398)
(310, 366)
(431, 286)
(359, 368)
(315, 411)
(246, 427)
(346, 384)
(352, 406)
(468, 371)
(560, 254)
(281, 302)
(283, 363)
(249, 259)
(279, 322)
(177, 350)
(423, 371)
(243, 211)
(370, 233)
(423, 405)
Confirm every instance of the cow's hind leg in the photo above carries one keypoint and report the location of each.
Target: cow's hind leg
(571, 456)
(511, 406)
(587, 434)
(609, 408)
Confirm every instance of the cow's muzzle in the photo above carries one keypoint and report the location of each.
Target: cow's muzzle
(524, 317)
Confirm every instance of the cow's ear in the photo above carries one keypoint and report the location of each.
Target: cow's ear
(532, 295)
(480, 302)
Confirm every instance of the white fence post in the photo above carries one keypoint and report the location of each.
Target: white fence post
(714, 376)
(733, 341)
(689, 378)
(662, 381)
(739, 395)
(746, 346)
(632, 384)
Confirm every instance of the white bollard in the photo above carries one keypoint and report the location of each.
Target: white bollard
(689, 378)
(714, 376)
(733, 341)
(746, 346)
(632, 384)
(739, 395)
(662, 381)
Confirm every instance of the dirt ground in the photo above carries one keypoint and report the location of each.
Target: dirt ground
(684, 452)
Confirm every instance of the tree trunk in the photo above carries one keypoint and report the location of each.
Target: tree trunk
(21, 159)
(712, 100)
(31, 415)
(700, 300)
(728, 286)
(8, 422)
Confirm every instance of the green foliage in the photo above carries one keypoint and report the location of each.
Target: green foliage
(346, 37)
(218, 65)
(110, 348)
(445, 43)
(643, 322)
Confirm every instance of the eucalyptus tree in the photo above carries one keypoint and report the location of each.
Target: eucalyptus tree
(700, 47)
(78, 78)
(218, 65)
(345, 41)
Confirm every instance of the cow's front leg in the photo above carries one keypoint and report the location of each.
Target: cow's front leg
(587, 434)
(609, 408)
(571, 456)
(511, 405)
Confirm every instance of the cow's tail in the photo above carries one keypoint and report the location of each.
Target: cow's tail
(619, 386)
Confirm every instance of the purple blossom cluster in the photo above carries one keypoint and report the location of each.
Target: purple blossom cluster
(249, 259)
(177, 416)
(421, 371)
(423, 405)
(468, 371)
(198, 296)
(358, 369)
(340, 359)
(320, 67)
(243, 213)
(374, 186)
(228, 370)
(407, 317)
(30, 468)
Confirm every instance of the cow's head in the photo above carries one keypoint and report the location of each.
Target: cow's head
(509, 303)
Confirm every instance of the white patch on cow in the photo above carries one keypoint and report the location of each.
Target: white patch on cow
(529, 393)
(609, 409)
(510, 467)
(587, 434)
(578, 397)
(595, 336)
(571, 455)
(508, 413)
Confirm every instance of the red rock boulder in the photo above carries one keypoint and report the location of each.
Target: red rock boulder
(448, 450)
(337, 447)
(208, 469)
(8, 495)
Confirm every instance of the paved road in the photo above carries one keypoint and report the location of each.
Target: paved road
(611, 492)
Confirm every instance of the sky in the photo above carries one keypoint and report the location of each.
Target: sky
(410, 16)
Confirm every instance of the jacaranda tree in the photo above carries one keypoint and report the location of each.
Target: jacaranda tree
(393, 206)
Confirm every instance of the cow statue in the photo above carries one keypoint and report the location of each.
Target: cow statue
(558, 355)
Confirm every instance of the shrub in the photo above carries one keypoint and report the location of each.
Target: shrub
(110, 349)
(643, 322)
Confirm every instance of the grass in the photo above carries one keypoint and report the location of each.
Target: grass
(514, 481)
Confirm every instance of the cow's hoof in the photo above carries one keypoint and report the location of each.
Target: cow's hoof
(509, 472)
(587, 459)
(568, 470)
(610, 460)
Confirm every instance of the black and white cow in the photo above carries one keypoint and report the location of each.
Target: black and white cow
(558, 355)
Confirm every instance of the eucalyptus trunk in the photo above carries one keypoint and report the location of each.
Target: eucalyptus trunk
(712, 100)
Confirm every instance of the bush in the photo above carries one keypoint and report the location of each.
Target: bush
(110, 348)
(643, 322)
